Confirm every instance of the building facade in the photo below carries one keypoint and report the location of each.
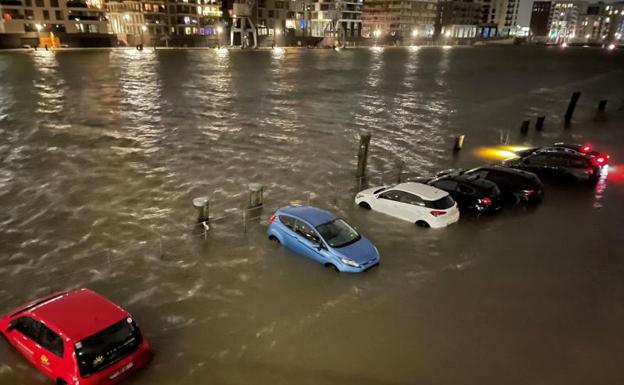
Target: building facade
(281, 17)
(336, 17)
(565, 19)
(540, 15)
(458, 19)
(137, 22)
(402, 19)
(56, 16)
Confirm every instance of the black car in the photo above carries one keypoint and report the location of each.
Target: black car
(559, 161)
(516, 185)
(471, 192)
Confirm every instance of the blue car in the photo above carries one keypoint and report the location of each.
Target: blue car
(323, 237)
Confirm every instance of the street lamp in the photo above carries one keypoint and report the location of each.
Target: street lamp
(143, 29)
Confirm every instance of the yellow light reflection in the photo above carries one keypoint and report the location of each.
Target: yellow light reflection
(499, 152)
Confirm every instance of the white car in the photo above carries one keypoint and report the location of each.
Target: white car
(418, 203)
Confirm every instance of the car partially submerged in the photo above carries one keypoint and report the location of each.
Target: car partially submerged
(577, 162)
(323, 237)
(77, 338)
(417, 203)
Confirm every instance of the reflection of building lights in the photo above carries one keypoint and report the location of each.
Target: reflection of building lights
(564, 44)
(611, 47)
(39, 27)
(377, 33)
(447, 34)
(143, 28)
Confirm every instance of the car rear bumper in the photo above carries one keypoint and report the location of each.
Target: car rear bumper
(122, 369)
(444, 220)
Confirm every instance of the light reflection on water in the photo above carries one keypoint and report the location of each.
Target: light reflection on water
(103, 151)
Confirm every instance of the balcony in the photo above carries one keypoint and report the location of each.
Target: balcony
(11, 2)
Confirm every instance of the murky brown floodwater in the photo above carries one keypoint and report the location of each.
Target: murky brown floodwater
(104, 150)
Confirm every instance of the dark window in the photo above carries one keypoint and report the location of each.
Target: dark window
(441, 204)
(558, 161)
(29, 14)
(46, 15)
(107, 347)
(338, 233)
(579, 162)
(58, 15)
(262, 3)
(51, 341)
(287, 221)
(481, 173)
(411, 199)
(537, 159)
(279, 4)
(39, 3)
(306, 232)
(28, 327)
(446, 184)
(40, 334)
(391, 195)
(465, 189)
(28, 3)
(271, 13)
(54, 3)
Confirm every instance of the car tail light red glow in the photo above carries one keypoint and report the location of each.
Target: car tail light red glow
(589, 171)
(528, 192)
(586, 148)
(437, 213)
(600, 160)
(273, 218)
(485, 201)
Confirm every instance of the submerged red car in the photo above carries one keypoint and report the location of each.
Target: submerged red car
(77, 338)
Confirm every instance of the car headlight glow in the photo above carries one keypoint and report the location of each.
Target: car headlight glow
(349, 262)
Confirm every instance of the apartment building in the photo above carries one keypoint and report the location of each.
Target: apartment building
(399, 19)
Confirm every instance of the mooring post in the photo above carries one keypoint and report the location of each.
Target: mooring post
(363, 154)
(602, 105)
(400, 165)
(256, 198)
(539, 124)
(202, 205)
(571, 106)
(459, 142)
(601, 115)
(524, 128)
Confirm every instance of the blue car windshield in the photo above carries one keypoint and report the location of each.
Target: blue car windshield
(338, 233)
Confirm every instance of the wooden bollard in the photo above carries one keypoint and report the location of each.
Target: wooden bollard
(202, 204)
(602, 105)
(539, 124)
(459, 142)
(256, 198)
(363, 154)
(571, 106)
(524, 128)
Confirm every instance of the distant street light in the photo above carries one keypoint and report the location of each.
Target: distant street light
(276, 32)
(415, 33)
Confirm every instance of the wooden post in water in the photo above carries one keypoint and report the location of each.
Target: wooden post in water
(363, 154)
(601, 114)
(202, 204)
(256, 198)
(524, 128)
(571, 106)
(539, 124)
(459, 142)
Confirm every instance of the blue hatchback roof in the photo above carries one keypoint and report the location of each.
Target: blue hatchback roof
(312, 215)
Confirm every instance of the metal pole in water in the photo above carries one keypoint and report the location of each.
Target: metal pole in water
(459, 142)
(524, 128)
(539, 124)
(202, 204)
(602, 105)
(571, 106)
(363, 154)
(400, 165)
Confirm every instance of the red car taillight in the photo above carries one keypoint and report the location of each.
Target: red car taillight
(485, 201)
(586, 148)
(589, 171)
(437, 213)
(273, 218)
(528, 192)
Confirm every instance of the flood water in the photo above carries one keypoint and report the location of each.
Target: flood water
(103, 151)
